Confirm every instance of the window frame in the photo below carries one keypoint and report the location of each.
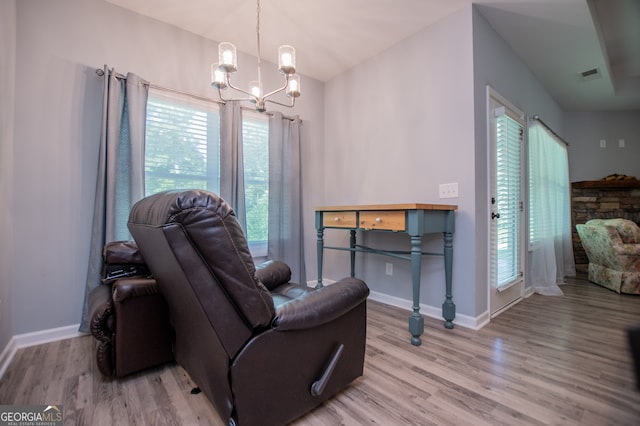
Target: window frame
(210, 177)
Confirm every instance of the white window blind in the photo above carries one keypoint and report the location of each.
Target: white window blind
(182, 151)
(182, 143)
(255, 144)
(509, 140)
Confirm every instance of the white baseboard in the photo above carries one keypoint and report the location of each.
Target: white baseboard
(7, 355)
(528, 291)
(46, 336)
(431, 311)
(35, 338)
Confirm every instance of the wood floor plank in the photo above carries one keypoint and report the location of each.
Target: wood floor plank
(546, 361)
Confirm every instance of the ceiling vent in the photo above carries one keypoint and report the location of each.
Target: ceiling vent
(591, 74)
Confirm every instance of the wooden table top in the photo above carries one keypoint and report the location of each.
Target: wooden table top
(404, 206)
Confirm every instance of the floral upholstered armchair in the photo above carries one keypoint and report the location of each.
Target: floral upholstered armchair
(613, 249)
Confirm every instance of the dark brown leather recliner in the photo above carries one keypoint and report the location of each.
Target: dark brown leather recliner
(263, 350)
(129, 317)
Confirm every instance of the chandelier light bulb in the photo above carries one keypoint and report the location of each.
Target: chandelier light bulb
(218, 77)
(293, 87)
(287, 59)
(227, 57)
(254, 88)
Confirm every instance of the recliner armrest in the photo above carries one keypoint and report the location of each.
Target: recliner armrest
(321, 306)
(273, 273)
(129, 288)
(102, 324)
(101, 313)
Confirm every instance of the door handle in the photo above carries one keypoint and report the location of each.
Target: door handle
(495, 215)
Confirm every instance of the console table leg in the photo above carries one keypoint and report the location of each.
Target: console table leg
(416, 328)
(416, 322)
(448, 307)
(352, 244)
(319, 249)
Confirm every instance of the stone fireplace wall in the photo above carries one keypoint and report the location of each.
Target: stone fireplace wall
(601, 199)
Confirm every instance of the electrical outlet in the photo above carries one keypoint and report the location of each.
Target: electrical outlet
(449, 190)
(389, 268)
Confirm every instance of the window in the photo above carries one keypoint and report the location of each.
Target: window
(182, 144)
(549, 201)
(255, 145)
(183, 152)
(509, 140)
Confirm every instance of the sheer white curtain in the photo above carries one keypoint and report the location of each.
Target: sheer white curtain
(550, 211)
(120, 176)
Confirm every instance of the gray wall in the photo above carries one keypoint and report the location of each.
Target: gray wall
(397, 126)
(393, 134)
(425, 123)
(584, 130)
(57, 126)
(7, 97)
(495, 64)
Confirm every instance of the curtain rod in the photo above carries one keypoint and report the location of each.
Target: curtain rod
(100, 72)
(180, 92)
(119, 76)
(284, 117)
(539, 120)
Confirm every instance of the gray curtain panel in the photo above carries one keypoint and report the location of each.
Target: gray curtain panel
(231, 160)
(286, 241)
(120, 179)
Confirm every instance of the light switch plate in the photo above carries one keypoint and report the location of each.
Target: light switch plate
(449, 190)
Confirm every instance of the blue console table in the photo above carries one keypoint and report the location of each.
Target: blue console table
(413, 219)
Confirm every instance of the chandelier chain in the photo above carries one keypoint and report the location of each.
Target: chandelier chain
(258, 38)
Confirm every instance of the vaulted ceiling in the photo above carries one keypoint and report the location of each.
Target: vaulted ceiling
(559, 40)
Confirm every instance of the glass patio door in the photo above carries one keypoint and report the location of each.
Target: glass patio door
(506, 250)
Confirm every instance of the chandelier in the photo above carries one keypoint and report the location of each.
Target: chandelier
(227, 64)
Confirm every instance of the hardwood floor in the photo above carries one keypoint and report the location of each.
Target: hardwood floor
(546, 361)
